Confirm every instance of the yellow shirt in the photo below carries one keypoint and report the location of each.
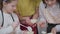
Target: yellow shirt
(27, 7)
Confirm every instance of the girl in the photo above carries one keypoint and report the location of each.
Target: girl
(9, 21)
(50, 13)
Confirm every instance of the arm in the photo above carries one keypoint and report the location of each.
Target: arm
(41, 20)
(6, 30)
(41, 16)
(18, 31)
(35, 16)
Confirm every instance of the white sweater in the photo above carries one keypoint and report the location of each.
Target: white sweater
(7, 28)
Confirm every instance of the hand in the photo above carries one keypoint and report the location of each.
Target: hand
(53, 30)
(28, 21)
(34, 25)
(42, 24)
(15, 24)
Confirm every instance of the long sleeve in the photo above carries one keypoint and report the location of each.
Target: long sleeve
(41, 16)
(18, 30)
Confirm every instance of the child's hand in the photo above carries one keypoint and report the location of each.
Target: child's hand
(53, 30)
(28, 21)
(42, 24)
(34, 25)
(15, 24)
